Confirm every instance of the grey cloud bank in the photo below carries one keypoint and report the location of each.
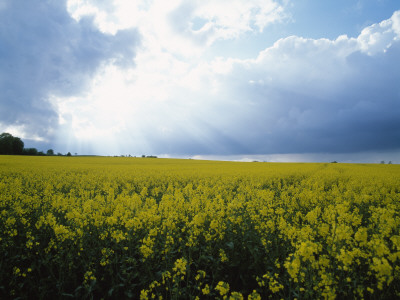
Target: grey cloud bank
(306, 95)
(44, 52)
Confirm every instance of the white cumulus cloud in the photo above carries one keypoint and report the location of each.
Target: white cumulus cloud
(182, 25)
(379, 37)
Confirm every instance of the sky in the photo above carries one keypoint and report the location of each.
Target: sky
(269, 80)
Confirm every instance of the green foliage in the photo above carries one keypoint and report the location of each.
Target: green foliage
(10, 145)
(30, 151)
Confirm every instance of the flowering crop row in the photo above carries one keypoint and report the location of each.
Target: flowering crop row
(74, 227)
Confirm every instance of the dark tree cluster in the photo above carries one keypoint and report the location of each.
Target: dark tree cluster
(10, 145)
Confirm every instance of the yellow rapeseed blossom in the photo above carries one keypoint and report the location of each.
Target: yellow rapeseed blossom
(222, 255)
(180, 266)
(206, 290)
(176, 229)
(88, 277)
(254, 296)
(222, 287)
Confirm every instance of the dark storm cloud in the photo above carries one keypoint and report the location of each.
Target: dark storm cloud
(313, 96)
(44, 52)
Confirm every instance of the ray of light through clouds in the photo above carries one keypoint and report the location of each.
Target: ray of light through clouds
(239, 80)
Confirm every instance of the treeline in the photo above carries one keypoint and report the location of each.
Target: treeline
(10, 145)
(50, 152)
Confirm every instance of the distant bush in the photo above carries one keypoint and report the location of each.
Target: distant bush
(30, 151)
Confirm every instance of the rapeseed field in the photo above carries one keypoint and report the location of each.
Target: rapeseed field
(142, 228)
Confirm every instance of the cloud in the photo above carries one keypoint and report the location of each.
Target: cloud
(379, 37)
(81, 72)
(46, 52)
(307, 95)
(182, 27)
(298, 96)
(208, 21)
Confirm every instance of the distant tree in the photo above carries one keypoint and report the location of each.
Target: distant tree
(6, 141)
(50, 152)
(59, 154)
(390, 162)
(382, 162)
(30, 151)
(10, 144)
(334, 162)
(69, 154)
(18, 146)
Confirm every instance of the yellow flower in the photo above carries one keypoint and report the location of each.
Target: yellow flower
(236, 296)
(144, 295)
(88, 277)
(222, 287)
(200, 275)
(254, 296)
(180, 266)
(16, 271)
(222, 255)
(206, 290)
